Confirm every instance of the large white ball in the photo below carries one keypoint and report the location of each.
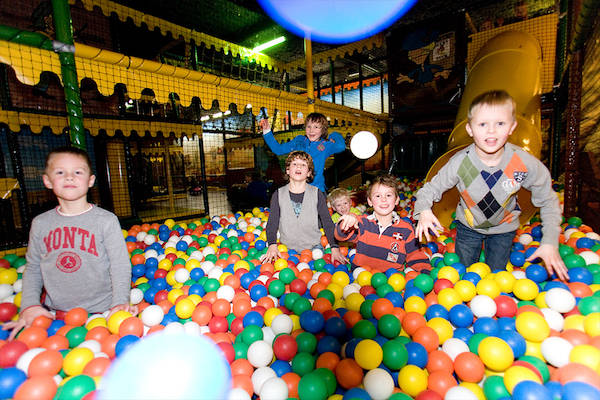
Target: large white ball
(152, 315)
(559, 299)
(260, 354)
(556, 351)
(379, 384)
(275, 389)
(363, 145)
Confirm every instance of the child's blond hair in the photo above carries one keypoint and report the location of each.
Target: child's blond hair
(338, 193)
(492, 98)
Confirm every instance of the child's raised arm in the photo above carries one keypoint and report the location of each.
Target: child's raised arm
(428, 222)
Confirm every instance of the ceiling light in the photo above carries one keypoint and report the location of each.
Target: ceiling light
(217, 115)
(248, 105)
(227, 112)
(205, 118)
(269, 44)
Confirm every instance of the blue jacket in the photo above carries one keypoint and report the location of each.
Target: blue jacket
(319, 150)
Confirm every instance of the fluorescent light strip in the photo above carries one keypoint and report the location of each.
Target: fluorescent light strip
(268, 44)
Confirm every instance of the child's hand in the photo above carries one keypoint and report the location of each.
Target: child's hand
(271, 255)
(25, 320)
(265, 125)
(427, 222)
(130, 308)
(336, 255)
(552, 260)
(347, 222)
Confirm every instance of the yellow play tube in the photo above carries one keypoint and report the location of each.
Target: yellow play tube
(511, 61)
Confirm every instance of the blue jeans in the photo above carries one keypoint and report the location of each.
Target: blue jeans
(496, 247)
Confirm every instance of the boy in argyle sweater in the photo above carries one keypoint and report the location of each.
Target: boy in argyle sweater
(488, 174)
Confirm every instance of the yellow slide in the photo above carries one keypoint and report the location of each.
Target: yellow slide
(511, 61)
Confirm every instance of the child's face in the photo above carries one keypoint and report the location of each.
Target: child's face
(342, 205)
(490, 127)
(69, 176)
(313, 131)
(298, 170)
(383, 199)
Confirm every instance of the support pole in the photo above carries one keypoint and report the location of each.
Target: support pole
(573, 121)
(310, 90)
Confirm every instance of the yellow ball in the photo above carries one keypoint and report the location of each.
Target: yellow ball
(364, 278)
(466, 290)
(540, 300)
(76, 360)
(525, 289)
(416, 304)
(170, 278)
(140, 280)
(170, 250)
(165, 264)
(354, 301)
(442, 327)
(195, 298)
(532, 326)
(336, 290)
(241, 264)
(397, 282)
(280, 264)
(448, 298)
(587, 355)
(170, 223)
(575, 321)
(495, 353)
(270, 314)
(475, 389)
(224, 276)
(481, 269)
(295, 322)
(17, 299)
(218, 240)
(255, 211)
(184, 308)
(114, 321)
(339, 303)
(516, 374)
(282, 248)
(100, 321)
(534, 349)
(192, 263)
(488, 287)
(8, 275)
(368, 354)
(449, 273)
(341, 278)
(174, 294)
(412, 380)
(591, 324)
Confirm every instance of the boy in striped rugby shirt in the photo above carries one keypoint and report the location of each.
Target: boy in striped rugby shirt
(383, 239)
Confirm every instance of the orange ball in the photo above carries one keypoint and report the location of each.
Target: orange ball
(97, 333)
(131, 326)
(38, 387)
(325, 278)
(578, 372)
(241, 307)
(138, 259)
(96, 367)
(348, 373)
(328, 360)
(63, 330)
(221, 308)
(292, 380)
(48, 362)
(413, 321)
(108, 345)
(241, 366)
(202, 315)
(316, 289)
(469, 367)
(381, 307)
(42, 321)
(428, 337)
(265, 302)
(76, 316)
(210, 297)
(439, 360)
(33, 336)
(243, 382)
(322, 305)
(56, 342)
(351, 318)
(440, 382)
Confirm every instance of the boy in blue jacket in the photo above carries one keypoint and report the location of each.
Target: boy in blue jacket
(315, 142)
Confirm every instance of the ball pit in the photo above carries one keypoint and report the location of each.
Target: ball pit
(304, 327)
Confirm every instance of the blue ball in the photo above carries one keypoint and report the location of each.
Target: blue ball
(486, 325)
(151, 262)
(395, 298)
(10, 380)
(150, 271)
(149, 295)
(335, 326)
(518, 246)
(159, 283)
(530, 390)
(246, 279)
(164, 236)
(168, 318)
(312, 321)
(163, 228)
(461, 316)
(133, 375)
(131, 239)
(356, 394)
(258, 292)
(506, 324)
(536, 232)
(281, 367)
(584, 243)
(536, 273)
(253, 318)
(515, 341)
(436, 311)
(259, 245)
(517, 258)
(181, 245)
(417, 355)
(4, 334)
(124, 343)
(413, 291)
(137, 271)
(463, 334)
(472, 277)
(391, 271)
(460, 267)
(581, 274)
(351, 346)
(196, 273)
(555, 389)
(198, 289)
(328, 344)
(580, 391)
(555, 284)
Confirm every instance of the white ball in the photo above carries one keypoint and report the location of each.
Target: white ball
(556, 351)
(242, 225)
(317, 254)
(93, 345)
(174, 327)
(274, 389)
(149, 239)
(226, 292)
(93, 317)
(560, 300)
(310, 283)
(206, 266)
(519, 274)
(215, 273)
(5, 290)
(100, 354)
(238, 394)
(25, 359)
(152, 315)
(593, 235)
(182, 275)
(268, 335)
(453, 347)
(554, 319)
(149, 253)
(18, 286)
(349, 289)
(379, 384)
(141, 236)
(363, 144)
(191, 328)
(232, 233)
(357, 271)
(302, 266)
(590, 257)
(569, 232)
(260, 376)
(483, 306)
(282, 323)
(187, 238)
(260, 354)
(208, 250)
(525, 239)
(460, 393)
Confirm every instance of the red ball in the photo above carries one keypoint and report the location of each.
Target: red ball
(259, 309)
(237, 326)
(428, 395)
(367, 290)
(505, 306)
(228, 351)
(171, 257)
(10, 353)
(160, 296)
(285, 347)
(298, 286)
(218, 324)
(7, 311)
(442, 284)
(160, 273)
(4, 263)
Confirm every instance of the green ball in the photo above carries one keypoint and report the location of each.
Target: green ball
(241, 350)
(595, 247)
(236, 246)
(301, 305)
(395, 355)
(474, 342)
(596, 280)
(203, 241)
(76, 336)
(575, 221)
(522, 303)
(400, 396)
(290, 299)
(565, 250)
(307, 342)
(202, 280)
(594, 268)
(190, 250)
(378, 279)
(252, 252)
(137, 251)
(494, 389)
(276, 288)
(329, 378)
(311, 386)
(364, 329)
(19, 262)
(211, 285)
(303, 363)
(588, 305)
(384, 289)
(75, 388)
(319, 265)
(425, 282)
(143, 286)
(540, 365)
(574, 261)
(451, 258)
(251, 334)
(286, 275)
(230, 317)
(210, 257)
(328, 294)
(365, 309)
(223, 256)
(434, 273)
(12, 257)
(389, 326)
(402, 339)
(179, 261)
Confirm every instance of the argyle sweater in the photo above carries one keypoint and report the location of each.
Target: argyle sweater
(488, 201)
(379, 247)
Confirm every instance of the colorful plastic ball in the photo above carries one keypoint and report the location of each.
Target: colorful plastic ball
(303, 363)
(368, 354)
(536, 273)
(530, 390)
(518, 373)
(495, 353)
(10, 380)
(460, 393)
(516, 342)
(586, 355)
(133, 375)
(76, 360)
(556, 351)
(412, 380)
(469, 367)
(312, 321)
(560, 300)
(580, 391)
(525, 289)
(461, 316)
(7, 311)
(483, 306)
(41, 387)
(453, 347)
(125, 343)
(379, 384)
(417, 354)
(76, 387)
(274, 388)
(395, 355)
(532, 326)
(152, 315)
(389, 326)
